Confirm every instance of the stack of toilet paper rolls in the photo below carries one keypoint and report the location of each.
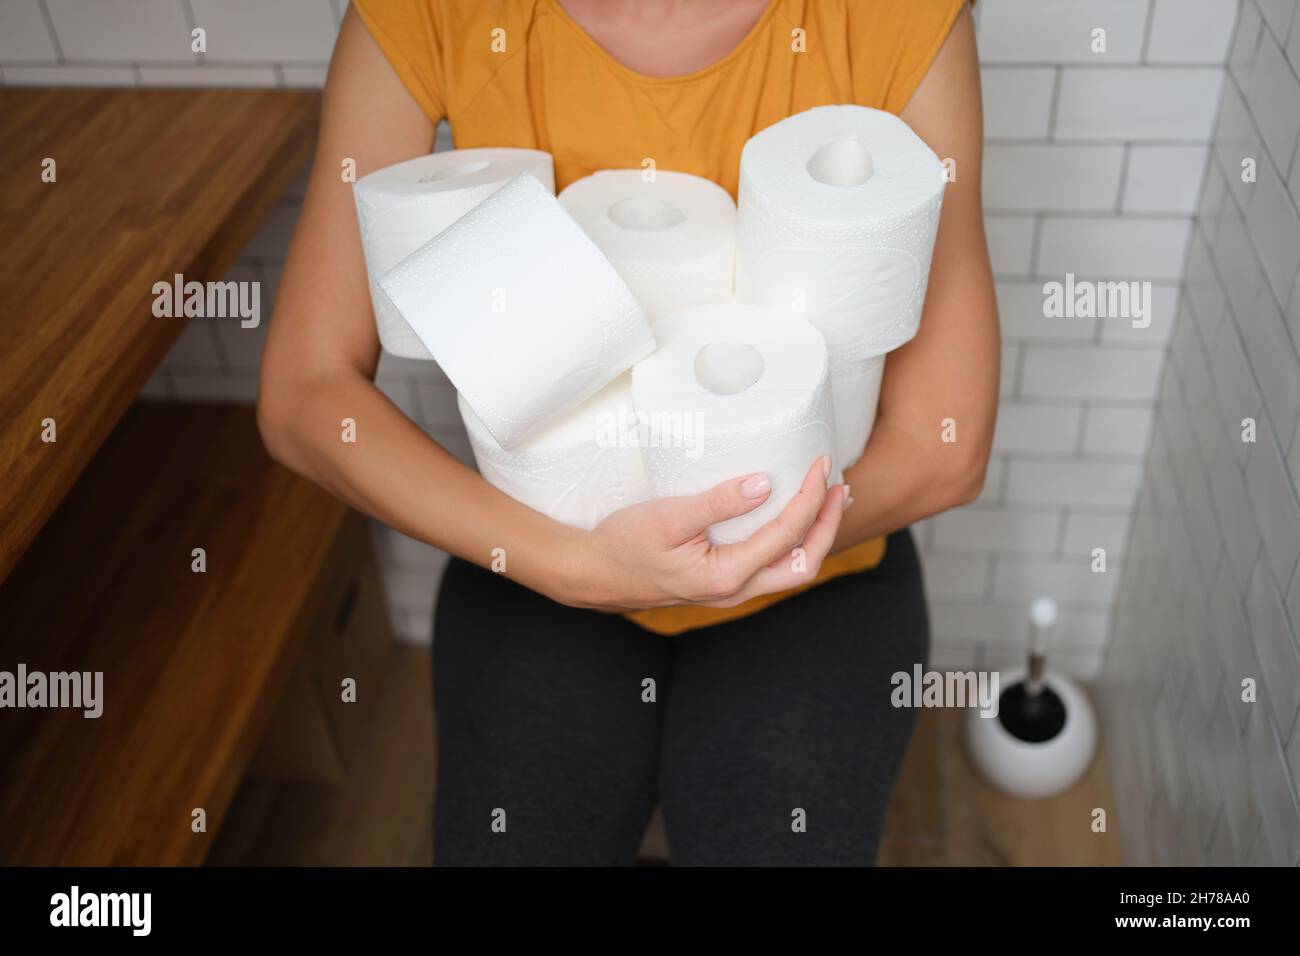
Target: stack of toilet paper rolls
(593, 339)
(401, 207)
(839, 207)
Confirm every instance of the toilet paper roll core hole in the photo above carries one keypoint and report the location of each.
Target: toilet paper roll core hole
(645, 213)
(455, 172)
(844, 161)
(728, 368)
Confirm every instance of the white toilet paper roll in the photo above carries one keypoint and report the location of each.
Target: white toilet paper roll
(401, 207)
(732, 390)
(855, 393)
(672, 240)
(839, 206)
(578, 470)
(520, 309)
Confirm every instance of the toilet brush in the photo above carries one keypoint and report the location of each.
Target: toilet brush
(1045, 731)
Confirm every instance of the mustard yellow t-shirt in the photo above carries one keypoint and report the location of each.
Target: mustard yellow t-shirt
(523, 73)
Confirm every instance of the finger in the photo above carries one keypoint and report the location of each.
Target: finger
(780, 535)
(787, 572)
(688, 515)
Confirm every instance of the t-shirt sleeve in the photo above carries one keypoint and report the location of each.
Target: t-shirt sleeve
(894, 42)
(407, 32)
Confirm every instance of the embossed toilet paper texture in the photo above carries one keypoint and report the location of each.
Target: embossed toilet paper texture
(522, 311)
(579, 470)
(852, 255)
(401, 207)
(779, 426)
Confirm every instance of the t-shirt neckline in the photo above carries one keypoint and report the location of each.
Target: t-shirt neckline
(748, 40)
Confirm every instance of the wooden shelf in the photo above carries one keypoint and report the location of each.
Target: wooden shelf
(149, 183)
(193, 663)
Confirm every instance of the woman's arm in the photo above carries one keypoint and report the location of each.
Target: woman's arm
(950, 370)
(318, 368)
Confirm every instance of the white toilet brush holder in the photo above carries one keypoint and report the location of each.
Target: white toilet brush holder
(1044, 734)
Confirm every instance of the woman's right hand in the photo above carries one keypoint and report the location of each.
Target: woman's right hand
(658, 553)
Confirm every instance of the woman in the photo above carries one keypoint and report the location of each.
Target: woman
(746, 693)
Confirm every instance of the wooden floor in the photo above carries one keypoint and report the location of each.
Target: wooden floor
(942, 813)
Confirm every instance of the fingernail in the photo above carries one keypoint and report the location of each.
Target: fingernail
(755, 486)
(826, 466)
(848, 498)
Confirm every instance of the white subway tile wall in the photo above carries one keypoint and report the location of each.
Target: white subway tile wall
(1098, 118)
(1212, 567)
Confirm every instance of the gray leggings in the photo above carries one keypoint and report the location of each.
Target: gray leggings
(548, 753)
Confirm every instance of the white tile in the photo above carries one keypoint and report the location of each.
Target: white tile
(992, 480)
(1275, 363)
(1111, 248)
(305, 77)
(402, 394)
(208, 76)
(1164, 178)
(1203, 286)
(110, 76)
(195, 348)
(286, 31)
(396, 550)
(242, 347)
(1085, 372)
(1009, 370)
(1293, 312)
(410, 587)
(1020, 311)
(1274, 228)
(1245, 41)
(1274, 98)
(417, 370)
(1051, 31)
(273, 235)
(953, 575)
(23, 36)
(1085, 531)
(1233, 381)
(1037, 427)
(946, 655)
(1278, 15)
(1068, 579)
(1011, 243)
(1073, 483)
(997, 529)
(340, 8)
(1241, 537)
(1017, 101)
(1271, 633)
(1191, 31)
(1154, 330)
(1238, 265)
(1067, 178)
(130, 30)
(1159, 103)
(228, 387)
(438, 404)
(1293, 43)
(1117, 431)
(1280, 825)
(1236, 142)
(1212, 200)
(1277, 512)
